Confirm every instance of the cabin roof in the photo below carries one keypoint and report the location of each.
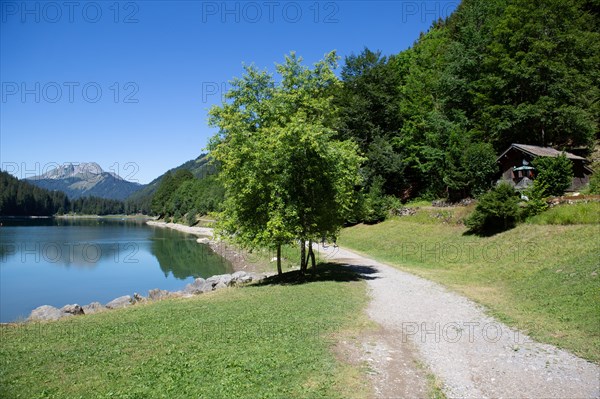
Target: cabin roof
(540, 152)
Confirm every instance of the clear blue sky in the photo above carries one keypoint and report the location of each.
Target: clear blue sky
(128, 84)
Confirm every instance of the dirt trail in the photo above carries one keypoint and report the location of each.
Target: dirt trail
(472, 354)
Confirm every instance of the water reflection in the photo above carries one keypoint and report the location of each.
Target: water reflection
(97, 241)
(182, 257)
(55, 262)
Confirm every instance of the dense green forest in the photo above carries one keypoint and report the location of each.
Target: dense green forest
(141, 201)
(432, 119)
(20, 198)
(182, 193)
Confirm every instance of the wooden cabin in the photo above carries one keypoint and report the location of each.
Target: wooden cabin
(516, 165)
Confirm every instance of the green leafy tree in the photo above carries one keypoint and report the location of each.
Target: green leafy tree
(286, 178)
(554, 175)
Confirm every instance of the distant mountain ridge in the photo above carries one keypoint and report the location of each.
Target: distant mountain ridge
(85, 179)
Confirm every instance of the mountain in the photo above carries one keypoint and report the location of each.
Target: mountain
(85, 179)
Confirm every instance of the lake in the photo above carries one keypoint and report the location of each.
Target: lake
(65, 261)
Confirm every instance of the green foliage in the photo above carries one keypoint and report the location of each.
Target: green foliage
(495, 72)
(536, 200)
(368, 110)
(285, 176)
(594, 185)
(161, 202)
(190, 217)
(19, 198)
(497, 210)
(479, 166)
(376, 204)
(554, 175)
(540, 75)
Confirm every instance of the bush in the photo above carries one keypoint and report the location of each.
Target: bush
(497, 210)
(594, 186)
(375, 204)
(536, 203)
(190, 217)
(554, 175)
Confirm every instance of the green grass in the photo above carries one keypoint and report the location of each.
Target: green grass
(542, 279)
(578, 213)
(269, 341)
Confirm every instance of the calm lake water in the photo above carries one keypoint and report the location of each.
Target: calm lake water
(59, 262)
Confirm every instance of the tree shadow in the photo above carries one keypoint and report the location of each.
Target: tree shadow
(488, 231)
(324, 272)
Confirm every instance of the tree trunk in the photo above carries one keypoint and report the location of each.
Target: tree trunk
(311, 256)
(302, 256)
(279, 272)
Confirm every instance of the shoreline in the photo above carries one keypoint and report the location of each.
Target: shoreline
(199, 231)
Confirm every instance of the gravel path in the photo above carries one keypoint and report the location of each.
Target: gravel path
(473, 355)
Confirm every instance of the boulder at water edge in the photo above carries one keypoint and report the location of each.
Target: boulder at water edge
(46, 312)
(120, 302)
(93, 307)
(75, 309)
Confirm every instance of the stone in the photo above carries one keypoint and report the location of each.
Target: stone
(46, 312)
(214, 279)
(120, 302)
(138, 298)
(94, 307)
(220, 285)
(207, 287)
(75, 309)
(157, 294)
(203, 240)
(195, 287)
(225, 279)
(238, 274)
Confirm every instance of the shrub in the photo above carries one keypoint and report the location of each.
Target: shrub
(190, 217)
(553, 174)
(497, 210)
(375, 203)
(594, 186)
(536, 203)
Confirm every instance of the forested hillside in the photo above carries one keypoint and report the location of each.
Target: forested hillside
(142, 200)
(432, 119)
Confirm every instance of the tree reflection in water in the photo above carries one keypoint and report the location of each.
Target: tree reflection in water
(185, 257)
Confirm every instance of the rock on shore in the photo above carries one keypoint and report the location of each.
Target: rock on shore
(197, 287)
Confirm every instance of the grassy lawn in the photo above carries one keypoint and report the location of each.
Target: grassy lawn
(541, 278)
(269, 341)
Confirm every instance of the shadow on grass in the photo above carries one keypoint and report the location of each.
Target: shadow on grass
(324, 272)
(488, 231)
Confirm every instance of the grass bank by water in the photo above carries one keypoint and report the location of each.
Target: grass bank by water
(270, 341)
(542, 279)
